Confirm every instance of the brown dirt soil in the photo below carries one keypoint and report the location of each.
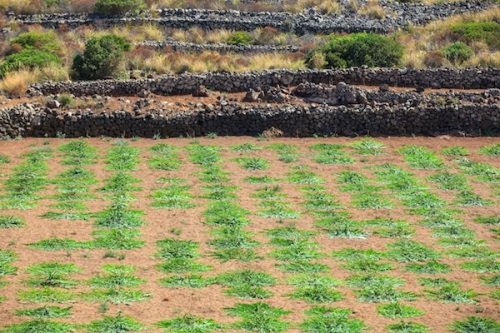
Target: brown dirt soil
(210, 301)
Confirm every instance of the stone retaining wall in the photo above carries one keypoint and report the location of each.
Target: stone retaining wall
(250, 119)
(309, 21)
(471, 78)
(221, 48)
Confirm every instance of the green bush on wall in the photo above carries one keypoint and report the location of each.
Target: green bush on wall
(356, 50)
(118, 7)
(240, 38)
(458, 52)
(102, 57)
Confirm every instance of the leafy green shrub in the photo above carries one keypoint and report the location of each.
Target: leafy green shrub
(259, 317)
(407, 327)
(118, 7)
(114, 324)
(458, 52)
(328, 320)
(43, 41)
(479, 31)
(240, 38)
(397, 310)
(356, 50)
(45, 312)
(189, 323)
(39, 326)
(28, 58)
(475, 324)
(102, 57)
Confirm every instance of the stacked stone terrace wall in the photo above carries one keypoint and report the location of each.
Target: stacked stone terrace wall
(471, 78)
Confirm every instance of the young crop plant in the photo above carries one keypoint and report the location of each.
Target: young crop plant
(400, 229)
(213, 174)
(331, 320)
(270, 192)
(451, 294)
(45, 295)
(182, 265)
(432, 267)
(232, 238)
(368, 146)
(397, 179)
(490, 265)
(278, 210)
(492, 150)
(320, 201)
(51, 274)
(186, 281)
(225, 213)
(421, 158)
(246, 283)
(332, 156)
(438, 218)
(450, 181)
(397, 310)
(219, 192)
(173, 196)
(115, 296)
(407, 327)
(174, 248)
(350, 254)
(421, 201)
(475, 324)
(339, 225)
(165, 162)
(371, 200)
(296, 250)
(472, 252)
(78, 153)
(467, 198)
(56, 244)
(455, 151)
(301, 175)
(46, 312)
(39, 326)
(314, 288)
(252, 163)
(120, 182)
(189, 324)
(118, 276)
(259, 317)
(6, 258)
(483, 172)
(493, 220)
(302, 267)
(4, 159)
(361, 281)
(11, 221)
(367, 266)
(245, 147)
(117, 239)
(260, 180)
(493, 280)
(119, 323)
(204, 155)
(286, 153)
(410, 251)
(122, 157)
(119, 216)
(352, 181)
(453, 231)
(289, 232)
(436, 283)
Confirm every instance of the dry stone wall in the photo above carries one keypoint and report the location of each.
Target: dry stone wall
(221, 48)
(470, 78)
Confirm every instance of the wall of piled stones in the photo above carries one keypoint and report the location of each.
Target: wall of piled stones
(253, 119)
(221, 48)
(399, 16)
(469, 78)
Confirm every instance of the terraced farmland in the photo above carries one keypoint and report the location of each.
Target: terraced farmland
(239, 234)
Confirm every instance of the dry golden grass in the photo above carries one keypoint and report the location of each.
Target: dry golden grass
(323, 6)
(373, 10)
(16, 82)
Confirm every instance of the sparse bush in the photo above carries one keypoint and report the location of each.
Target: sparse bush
(458, 52)
(356, 50)
(102, 57)
(240, 38)
(434, 59)
(43, 41)
(488, 32)
(28, 58)
(118, 7)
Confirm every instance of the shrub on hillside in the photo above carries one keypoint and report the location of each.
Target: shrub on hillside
(458, 52)
(118, 7)
(28, 59)
(240, 38)
(434, 59)
(102, 57)
(44, 41)
(488, 32)
(356, 50)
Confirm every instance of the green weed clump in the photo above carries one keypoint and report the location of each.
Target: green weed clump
(6, 258)
(458, 52)
(450, 181)
(45, 295)
(172, 197)
(189, 324)
(204, 155)
(315, 288)
(286, 153)
(122, 157)
(368, 146)
(118, 276)
(488, 220)
(398, 310)
(432, 267)
(186, 281)
(475, 324)
(78, 153)
(421, 158)
(246, 283)
(118, 323)
(39, 326)
(408, 251)
(407, 327)
(45, 312)
(379, 288)
(490, 265)
(327, 320)
(4, 159)
(436, 283)
(51, 274)
(219, 192)
(483, 172)
(225, 213)
(119, 216)
(252, 163)
(174, 249)
(116, 296)
(117, 239)
(182, 265)
(55, 244)
(10, 221)
(489, 32)
(492, 150)
(300, 175)
(245, 147)
(493, 280)
(259, 317)
(467, 198)
(451, 294)
(455, 151)
(260, 180)
(339, 225)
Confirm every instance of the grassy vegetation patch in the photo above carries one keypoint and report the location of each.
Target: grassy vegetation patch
(407, 251)
(252, 163)
(115, 296)
(117, 239)
(189, 324)
(398, 310)
(407, 327)
(450, 181)
(6, 258)
(451, 294)
(368, 146)
(492, 150)
(173, 196)
(118, 276)
(473, 324)
(11, 221)
(421, 158)
(39, 326)
(455, 151)
(314, 288)
(225, 213)
(432, 267)
(467, 198)
(186, 281)
(245, 147)
(327, 320)
(119, 323)
(46, 312)
(482, 266)
(246, 283)
(45, 295)
(182, 265)
(51, 274)
(259, 317)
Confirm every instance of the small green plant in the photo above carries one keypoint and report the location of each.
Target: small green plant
(467, 198)
(407, 327)
(117, 239)
(45, 312)
(118, 277)
(39, 326)
(450, 181)
(4, 159)
(118, 323)
(303, 266)
(451, 294)
(436, 283)
(118, 7)
(432, 267)
(367, 265)
(329, 320)
(246, 283)
(115, 296)
(185, 281)
(174, 248)
(315, 288)
(252, 163)
(260, 180)
(493, 220)
(455, 151)
(212, 135)
(189, 324)
(493, 280)
(259, 317)
(397, 310)
(51, 274)
(182, 265)
(245, 147)
(10, 221)
(474, 324)
(421, 158)
(368, 146)
(482, 266)
(45, 295)
(408, 251)
(492, 150)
